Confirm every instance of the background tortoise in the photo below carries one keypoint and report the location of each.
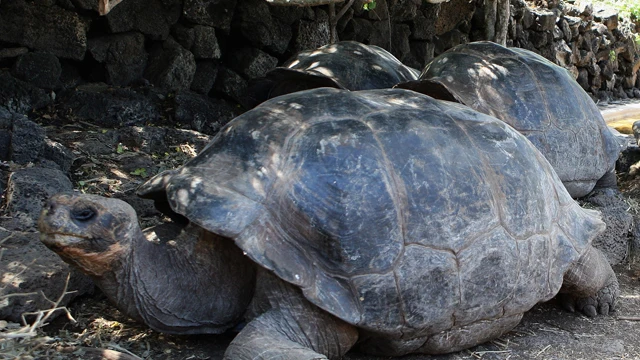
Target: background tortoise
(538, 98)
(386, 217)
(347, 65)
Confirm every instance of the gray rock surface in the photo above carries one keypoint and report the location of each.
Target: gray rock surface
(34, 277)
(205, 43)
(27, 140)
(229, 83)
(216, 13)
(19, 96)
(171, 66)
(28, 189)
(205, 76)
(153, 18)
(252, 63)
(111, 108)
(123, 55)
(49, 28)
(42, 70)
(202, 113)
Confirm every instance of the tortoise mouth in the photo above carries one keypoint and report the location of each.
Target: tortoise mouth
(59, 241)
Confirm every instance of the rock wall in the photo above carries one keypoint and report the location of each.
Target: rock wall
(602, 52)
(214, 47)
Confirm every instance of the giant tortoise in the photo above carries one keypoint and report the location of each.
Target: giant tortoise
(538, 98)
(385, 218)
(346, 65)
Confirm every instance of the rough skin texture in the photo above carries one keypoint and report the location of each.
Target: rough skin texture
(175, 280)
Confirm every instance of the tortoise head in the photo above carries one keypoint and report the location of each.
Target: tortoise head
(88, 231)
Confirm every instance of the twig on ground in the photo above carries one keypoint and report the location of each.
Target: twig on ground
(629, 318)
(121, 349)
(492, 352)
(543, 350)
(474, 354)
(6, 238)
(501, 344)
(27, 331)
(18, 294)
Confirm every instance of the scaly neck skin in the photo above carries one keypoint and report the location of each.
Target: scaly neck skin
(182, 282)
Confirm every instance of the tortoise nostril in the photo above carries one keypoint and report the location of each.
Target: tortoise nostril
(50, 206)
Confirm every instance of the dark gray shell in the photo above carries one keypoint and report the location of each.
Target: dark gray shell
(347, 65)
(538, 98)
(391, 210)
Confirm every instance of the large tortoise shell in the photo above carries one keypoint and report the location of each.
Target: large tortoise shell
(347, 65)
(391, 210)
(536, 97)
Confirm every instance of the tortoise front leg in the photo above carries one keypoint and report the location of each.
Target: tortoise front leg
(291, 328)
(590, 285)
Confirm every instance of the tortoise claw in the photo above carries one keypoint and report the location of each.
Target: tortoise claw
(603, 302)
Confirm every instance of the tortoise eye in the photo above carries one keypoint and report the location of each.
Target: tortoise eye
(83, 214)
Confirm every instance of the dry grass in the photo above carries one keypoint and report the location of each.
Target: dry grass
(28, 341)
(22, 341)
(624, 126)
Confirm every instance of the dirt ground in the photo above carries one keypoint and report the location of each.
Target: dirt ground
(546, 332)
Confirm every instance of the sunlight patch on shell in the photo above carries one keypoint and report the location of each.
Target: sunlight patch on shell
(294, 63)
(324, 71)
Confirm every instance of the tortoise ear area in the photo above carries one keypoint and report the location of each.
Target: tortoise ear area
(431, 88)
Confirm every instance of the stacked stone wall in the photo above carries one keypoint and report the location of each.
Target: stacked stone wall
(214, 47)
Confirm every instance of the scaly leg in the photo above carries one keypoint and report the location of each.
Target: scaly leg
(289, 327)
(590, 285)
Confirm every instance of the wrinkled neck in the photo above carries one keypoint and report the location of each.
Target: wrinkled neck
(183, 281)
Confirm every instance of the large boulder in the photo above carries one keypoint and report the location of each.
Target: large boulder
(111, 107)
(150, 17)
(123, 55)
(171, 66)
(201, 113)
(260, 28)
(216, 13)
(252, 63)
(231, 84)
(42, 70)
(205, 43)
(49, 28)
(29, 188)
(19, 96)
(27, 140)
(205, 76)
(311, 34)
(33, 276)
